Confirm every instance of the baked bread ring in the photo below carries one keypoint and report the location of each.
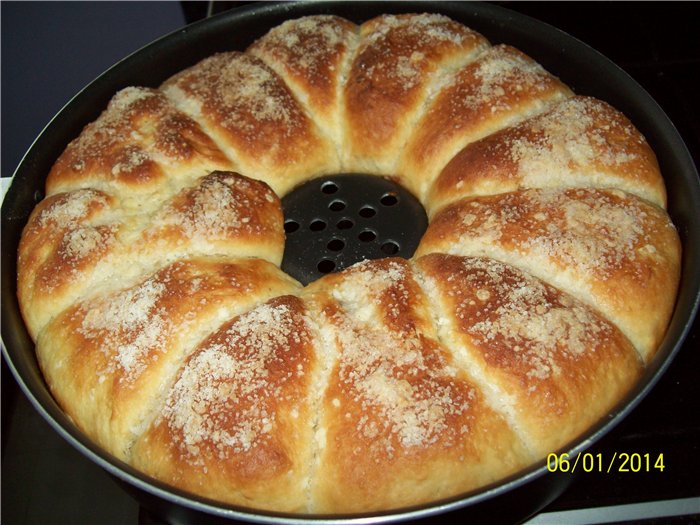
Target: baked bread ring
(149, 275)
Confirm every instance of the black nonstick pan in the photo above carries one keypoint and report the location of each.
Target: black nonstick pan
(579, 66)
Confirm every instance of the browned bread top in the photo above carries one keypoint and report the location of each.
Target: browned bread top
(402, 421)
(549, 362)
(615, 251)
(254, 117)
(579, 142)
(237, 423)
(397, 64)
(313, 55)
(139, 143)
(500, 87)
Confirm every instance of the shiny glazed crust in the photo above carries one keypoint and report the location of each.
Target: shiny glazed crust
(149, 276)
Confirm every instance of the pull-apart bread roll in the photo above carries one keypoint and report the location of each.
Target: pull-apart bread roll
(65, 245)
(313, 56)
(400, 422)
(222, 213)
(149, 275)
(79, 242)
(398, 64)
(253, 117)
(501, 87)
(237, 424)
(551, 364)
(141, 145)
(110, 358)
(581, 142)
(618, 253)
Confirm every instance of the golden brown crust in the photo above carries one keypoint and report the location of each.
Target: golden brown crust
(580, 142)
(614, 251)
(108, 359)
(553, 365)
(223, 214)
(501, 87)
(401, 424)
(138, 143)
(82, 240)
(66, 238)
(254, 117)
(236, 425)
(398, 59)
(312, 54)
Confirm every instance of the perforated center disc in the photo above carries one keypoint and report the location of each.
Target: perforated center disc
(335, 221)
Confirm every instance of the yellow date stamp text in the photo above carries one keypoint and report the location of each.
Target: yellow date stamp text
(615, 462)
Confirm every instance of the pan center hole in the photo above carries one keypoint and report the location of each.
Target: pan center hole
(335, 221)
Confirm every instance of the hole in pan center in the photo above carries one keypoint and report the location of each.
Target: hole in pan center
(335, 221)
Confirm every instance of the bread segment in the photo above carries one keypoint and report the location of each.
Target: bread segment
(551, 365)
(237, 424)
(109, 360)
(397, 64)
(501, 87)
(141, 147)
(67, 241)
(614, 251)
(400, 423)
(224, 214)
(83, 242)
(254, 117)
(312, 54)
(580, 142)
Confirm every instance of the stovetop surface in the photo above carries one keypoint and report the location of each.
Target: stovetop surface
(44, 480)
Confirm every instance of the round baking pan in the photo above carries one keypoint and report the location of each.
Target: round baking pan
(579, 66)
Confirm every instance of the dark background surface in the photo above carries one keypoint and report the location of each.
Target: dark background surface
(51, 50)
